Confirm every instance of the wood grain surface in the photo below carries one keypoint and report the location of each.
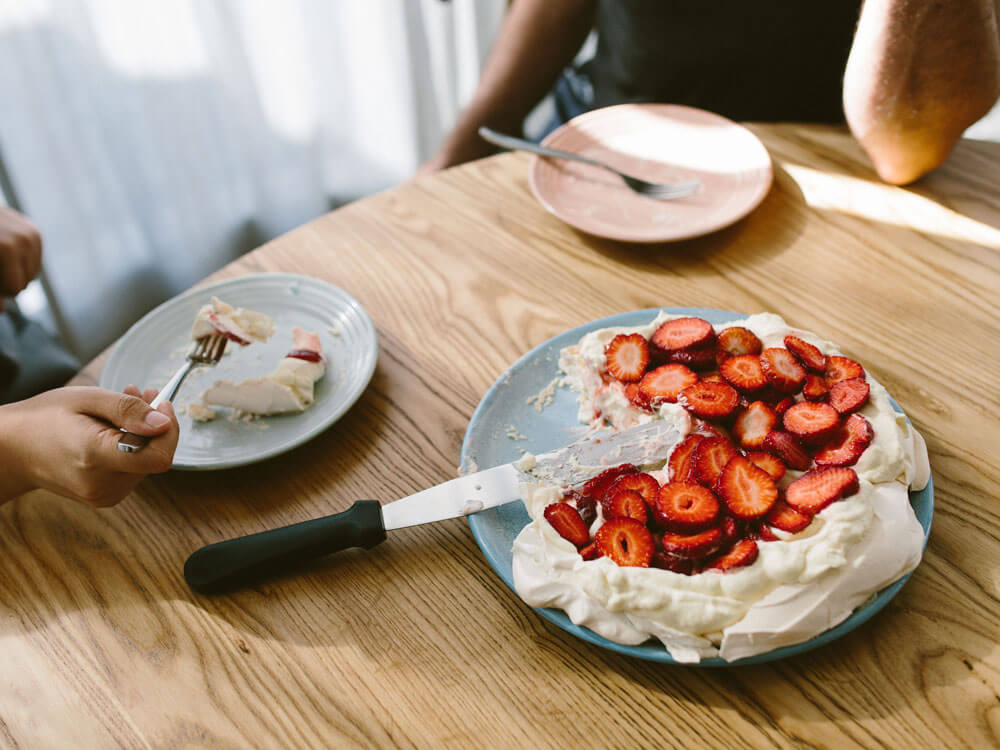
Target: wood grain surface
(418, 643)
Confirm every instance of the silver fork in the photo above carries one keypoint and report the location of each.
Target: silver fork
(205, 351)
(660, 190)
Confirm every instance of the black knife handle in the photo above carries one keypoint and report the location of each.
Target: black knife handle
(244, 560)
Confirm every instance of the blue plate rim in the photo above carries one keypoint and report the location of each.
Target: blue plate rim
(651, 650)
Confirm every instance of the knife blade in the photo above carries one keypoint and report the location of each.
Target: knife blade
(243, 560)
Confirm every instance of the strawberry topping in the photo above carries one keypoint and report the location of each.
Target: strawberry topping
(782, 370)
(744, 372)
(815, 388)
(811, 357)
(784, 405)
(626, 541)
(685, 508)
(665, 383)
(305, 354)
(816, 489)
(746, 489)
(783, 516)
(847, 443)
(598, 486)
(710, 458)
(636, 397)
(739, 555)
(586, 507)
(697, 359)
(692, 546)
(627, 356)
(684, 333)
(590, 552)
(643, 483)
(786, 447)
(811, 422)
(625, 504)
(752, 425)
(709, 400)
(841, 368)
(565, 519)
(769, 463)
(668, 562)
(737, 341)
(849, 395)
(680, 463)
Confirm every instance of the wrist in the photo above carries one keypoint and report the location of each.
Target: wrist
(15, 470)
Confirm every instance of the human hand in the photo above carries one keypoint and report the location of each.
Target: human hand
(66, 441)
(20, 252)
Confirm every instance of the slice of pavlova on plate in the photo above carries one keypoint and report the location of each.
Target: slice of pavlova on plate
(235, 323)
(289, 389)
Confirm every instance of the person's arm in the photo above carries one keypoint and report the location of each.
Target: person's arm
(537, 40)
(66, 441)
(20, 252)
(919, 73)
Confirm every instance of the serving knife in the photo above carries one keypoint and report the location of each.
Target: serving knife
(242, 561)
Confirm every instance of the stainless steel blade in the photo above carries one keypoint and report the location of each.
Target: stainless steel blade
(569, 465)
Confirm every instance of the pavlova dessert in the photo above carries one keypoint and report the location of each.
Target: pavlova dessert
(783, 507)
(288, 389)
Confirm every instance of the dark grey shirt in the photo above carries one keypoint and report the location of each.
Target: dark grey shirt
(745, 59)
(31, 361)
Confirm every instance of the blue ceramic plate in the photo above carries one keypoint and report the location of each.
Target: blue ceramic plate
(507, 423)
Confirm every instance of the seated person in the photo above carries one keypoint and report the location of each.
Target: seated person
(66, 439)
(909, 76)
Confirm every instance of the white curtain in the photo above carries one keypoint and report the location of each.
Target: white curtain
(155, 140)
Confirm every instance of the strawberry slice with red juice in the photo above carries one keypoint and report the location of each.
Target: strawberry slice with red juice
(627, 356)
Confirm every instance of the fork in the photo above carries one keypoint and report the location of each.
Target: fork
(205, 351)
(659, 190)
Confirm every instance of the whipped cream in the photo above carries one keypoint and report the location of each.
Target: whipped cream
(235, 323)
(797, 588)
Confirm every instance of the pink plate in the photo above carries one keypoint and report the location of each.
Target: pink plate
(659, 143)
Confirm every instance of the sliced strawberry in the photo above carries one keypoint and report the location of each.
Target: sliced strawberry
(636, 397)
(307, 355)
(783, 516)
(625, 504)
(713, 377)
(590, 552)
(849, 395)
(744, 372)
(710, 458)
(816, 489)
(763, 533)
(732, 530)
(587, 508)
(737, 341)
(685, 508)
(626, 541)
(811, 422)
(627, 356)
(692, 546)
(741, 554)
(784, 405)
(841, 368)
(597, 486)
(709, 429)
(746, 489)
(565, 519)
(683, 333)
(752, 425)
(668, 562)
(702, 358)
(680, 463)
(645, 484)
(769, 463)
(709, 400)
(815, 388)
(782, 370)
(785, 446)
(847, 443)
(810, 357)
(665, 383)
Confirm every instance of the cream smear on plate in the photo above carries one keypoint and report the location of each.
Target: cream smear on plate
(798, 587)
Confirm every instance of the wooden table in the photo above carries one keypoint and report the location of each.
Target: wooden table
(418, 642)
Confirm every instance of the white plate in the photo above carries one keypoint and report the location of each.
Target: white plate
(149, 353)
